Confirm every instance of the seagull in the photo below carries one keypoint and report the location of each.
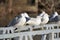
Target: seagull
(45, 18)
(54, 17)
(18, 21)
(27, 16)
(34, 21)
(21, 21)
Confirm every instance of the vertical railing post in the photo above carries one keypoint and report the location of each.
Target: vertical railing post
(4, 31)
(57, 33)
(30, 37)
(26, 37)
(44, 37)
(21, 37)
(8, 31)
(31, 29)
(51, 36)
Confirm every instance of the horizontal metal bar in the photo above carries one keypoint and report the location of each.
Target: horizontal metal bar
(29, 33)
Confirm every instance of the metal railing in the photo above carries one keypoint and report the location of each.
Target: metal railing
(52, 29)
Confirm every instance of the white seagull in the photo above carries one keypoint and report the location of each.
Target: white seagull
(18, 21)
(45, 17)
(21, 21)
(34, 21)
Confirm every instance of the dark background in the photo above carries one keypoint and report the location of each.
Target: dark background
(11, 8)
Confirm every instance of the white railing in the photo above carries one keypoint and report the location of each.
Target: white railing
(50, 29)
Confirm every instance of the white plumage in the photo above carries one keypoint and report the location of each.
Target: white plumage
(45, 17)
(34, 21)
(21, 21)
(26, 15)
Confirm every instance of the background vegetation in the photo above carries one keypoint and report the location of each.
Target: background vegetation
(11, 8)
